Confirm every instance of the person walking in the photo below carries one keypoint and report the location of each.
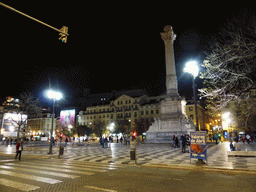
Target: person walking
(121, 140)
(183, 139)
(19, 148)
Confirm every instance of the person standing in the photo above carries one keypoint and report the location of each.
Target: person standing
(121, 140)
(183, 139)
(66, 141)
(19, 148)
(248, 137)
(173, 140)
(243, 138)
(176, 142)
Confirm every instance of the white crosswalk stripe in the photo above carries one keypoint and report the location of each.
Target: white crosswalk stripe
(60, 170)
(31, 177)
(17, 185)
(53, 169)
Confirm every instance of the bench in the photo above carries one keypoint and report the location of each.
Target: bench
(241, 153)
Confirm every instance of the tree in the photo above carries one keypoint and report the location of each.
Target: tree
(230, 65)
(142, 125)
(246, 113)
(123, 126)
(27, 105)
(81, 130)
(98, 128)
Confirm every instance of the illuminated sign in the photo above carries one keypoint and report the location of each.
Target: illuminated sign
(198, 148)
(67, 118)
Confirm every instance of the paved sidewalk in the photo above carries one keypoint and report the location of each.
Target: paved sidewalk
(147, 154)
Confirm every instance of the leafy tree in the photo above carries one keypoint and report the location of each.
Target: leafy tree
(98, 128)
(81, 130)
(123, 126)
(142, 125)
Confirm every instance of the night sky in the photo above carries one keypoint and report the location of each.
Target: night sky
(111, 46)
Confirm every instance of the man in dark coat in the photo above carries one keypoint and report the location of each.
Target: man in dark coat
(183, 139)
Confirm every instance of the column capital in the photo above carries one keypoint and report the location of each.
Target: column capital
(168, 34)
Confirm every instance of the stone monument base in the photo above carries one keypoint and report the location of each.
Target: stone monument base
(164, 137)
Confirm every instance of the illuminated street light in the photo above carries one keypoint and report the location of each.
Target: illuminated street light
(111, 126)
(192, 68)
(226, 115)
(55, 96)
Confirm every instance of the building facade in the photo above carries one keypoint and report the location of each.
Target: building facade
(239, 118)
(205, 121)
(124, 107)
(40, 126)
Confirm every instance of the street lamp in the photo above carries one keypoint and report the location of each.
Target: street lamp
(192, 68)
(226, 124)
(55, 96)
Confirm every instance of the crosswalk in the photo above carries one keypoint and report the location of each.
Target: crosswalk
(33, 175)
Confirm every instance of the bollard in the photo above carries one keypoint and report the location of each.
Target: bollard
(133, 151)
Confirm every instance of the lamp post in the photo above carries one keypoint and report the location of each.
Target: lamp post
(55, 96)
(192, 68)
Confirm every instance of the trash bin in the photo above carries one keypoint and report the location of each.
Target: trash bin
(61, 150)
(133, 155)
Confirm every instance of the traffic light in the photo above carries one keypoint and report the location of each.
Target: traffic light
(134, 135)
(64, 35)
(61, 135)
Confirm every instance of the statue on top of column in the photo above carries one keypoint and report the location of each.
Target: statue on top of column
(168, 34)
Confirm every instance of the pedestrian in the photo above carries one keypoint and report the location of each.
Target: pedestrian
(248, 137)
(121, 140)
(103, 142)
(243, 138)
(210, 137)
(173, 141)
(7, 142)
(19, 148)
(232, 148)
(66, 141)
(117, 139)
(253, 138)
(236, 138)
(176, 142)
(183, 139)
(187, 140)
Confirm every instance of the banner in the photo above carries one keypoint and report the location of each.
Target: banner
(198, 148)
(67, 118)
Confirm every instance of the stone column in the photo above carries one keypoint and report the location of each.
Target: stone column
(171, 79)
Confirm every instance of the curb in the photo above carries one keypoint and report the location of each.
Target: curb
(202, 168)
